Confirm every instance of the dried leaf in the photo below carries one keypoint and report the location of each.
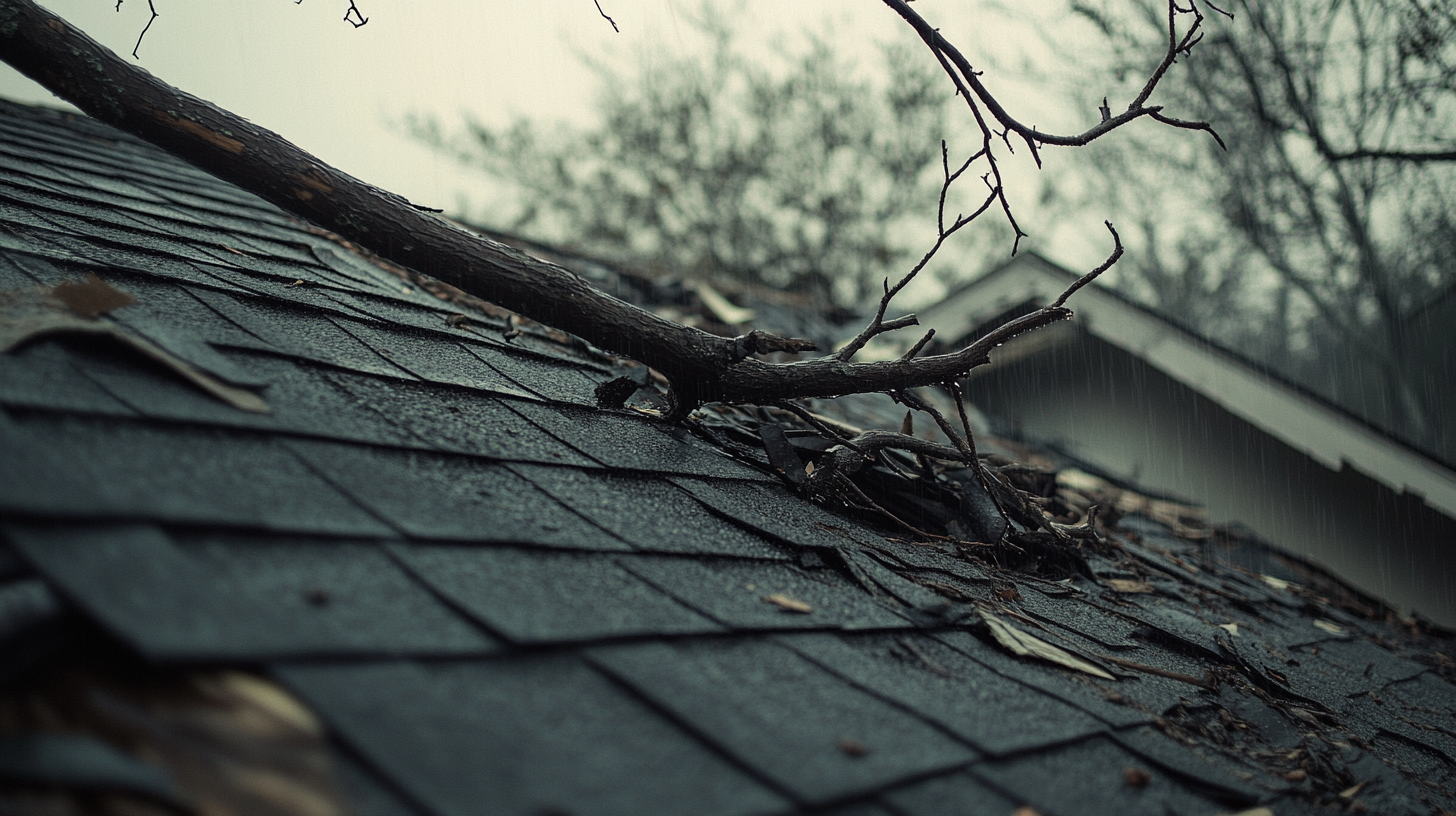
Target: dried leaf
(1329, 626)
(1125, 585)
(1275, 583)
(1231, 628)
(71, 308)
(1025, 645)
(907, 425)
(1297, 775)
(853, 747)
(1136, 777)
(91, 297)
(1352, 791)
(788, 604)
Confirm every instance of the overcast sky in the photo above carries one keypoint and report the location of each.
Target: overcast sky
(339, 92)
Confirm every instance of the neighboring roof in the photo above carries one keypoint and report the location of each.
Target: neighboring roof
(1295, 416)
(499, 599)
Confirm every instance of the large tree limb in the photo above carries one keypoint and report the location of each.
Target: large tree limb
(701, 367)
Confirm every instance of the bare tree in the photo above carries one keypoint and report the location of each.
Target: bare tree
(1343, 183)
(700, 367)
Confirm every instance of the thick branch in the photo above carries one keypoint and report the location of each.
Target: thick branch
(85, 73)
(701, 367)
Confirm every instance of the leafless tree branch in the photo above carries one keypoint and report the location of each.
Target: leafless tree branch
(148, 27)
(605, 17)
(699, 366)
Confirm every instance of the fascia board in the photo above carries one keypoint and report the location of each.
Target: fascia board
(1324, 435)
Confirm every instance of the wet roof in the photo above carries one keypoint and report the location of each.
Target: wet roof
(499, 599)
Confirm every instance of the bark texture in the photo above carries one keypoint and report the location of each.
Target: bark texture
(701, 367)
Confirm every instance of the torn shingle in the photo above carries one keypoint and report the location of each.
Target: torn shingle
(498, 599)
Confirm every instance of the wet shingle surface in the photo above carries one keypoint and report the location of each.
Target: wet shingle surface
(500, 600)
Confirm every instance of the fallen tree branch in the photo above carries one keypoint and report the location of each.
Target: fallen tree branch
(700, 367)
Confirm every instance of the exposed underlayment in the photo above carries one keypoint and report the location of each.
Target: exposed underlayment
(433, 579)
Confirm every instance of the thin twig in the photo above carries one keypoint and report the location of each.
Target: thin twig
(878, 325)
(1091, 276)
(605, 17)
(819, 425)
(145, 29)
(915, 349)
(353, 13)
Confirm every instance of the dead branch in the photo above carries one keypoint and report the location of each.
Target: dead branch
(879, 325)
(354, 17)
(605, 17)
(148, 27)
(968, 80)
(700, 366)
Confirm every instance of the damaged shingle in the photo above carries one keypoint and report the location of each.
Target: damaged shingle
(498, 599)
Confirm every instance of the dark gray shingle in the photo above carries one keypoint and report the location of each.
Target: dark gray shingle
(240, 598)
(531, 735)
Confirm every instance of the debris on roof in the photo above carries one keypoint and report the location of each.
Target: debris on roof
(435, 579)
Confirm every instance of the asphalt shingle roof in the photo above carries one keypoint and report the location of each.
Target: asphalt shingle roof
(501, 600)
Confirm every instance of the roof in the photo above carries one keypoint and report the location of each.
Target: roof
(490, 597)
(1295, 416)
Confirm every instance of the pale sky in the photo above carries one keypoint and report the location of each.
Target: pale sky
(338, 92)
